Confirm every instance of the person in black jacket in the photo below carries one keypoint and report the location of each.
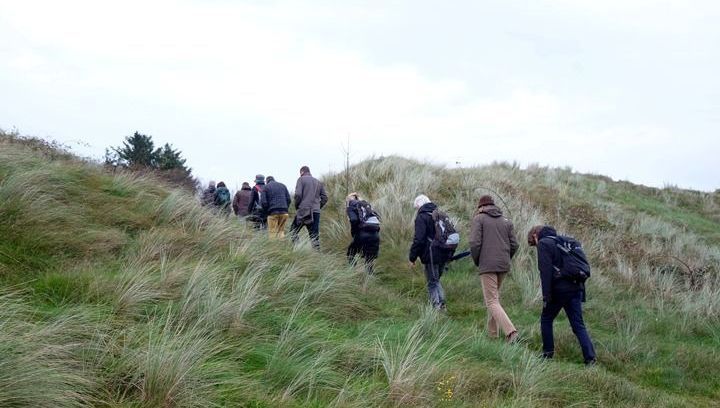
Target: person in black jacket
(432, 257)
(558, 293)
(275, 203)
(256, 212)
(366, 235)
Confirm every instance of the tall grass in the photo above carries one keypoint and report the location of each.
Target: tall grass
(134, 288)
(131, 294)
(171, 368)
(39, 361)
(531, 376)
(299, 366)
(411, 363)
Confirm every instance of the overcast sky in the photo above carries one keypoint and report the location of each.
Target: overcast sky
(624, 88)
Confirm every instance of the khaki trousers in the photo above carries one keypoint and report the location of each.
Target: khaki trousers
(497, 317)
(276, 225)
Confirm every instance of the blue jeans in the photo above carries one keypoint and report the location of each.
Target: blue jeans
(313, 230)
(571, 302)
(435, 290)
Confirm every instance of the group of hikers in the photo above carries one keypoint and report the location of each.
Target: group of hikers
(266, 205)
(561, 262)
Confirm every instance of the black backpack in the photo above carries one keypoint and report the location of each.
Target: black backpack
(369, 219)
(575, 266)
(445, 234)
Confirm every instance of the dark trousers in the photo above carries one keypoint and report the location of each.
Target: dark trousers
(367, 245)
(313, 230)
(571, 302)
(435, 290)
(258, 220)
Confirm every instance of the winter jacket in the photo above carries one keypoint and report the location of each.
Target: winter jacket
(241, 202)
(217, 200)
(492, 241)
(549, 257)
(275, 198)
(255, 197)
(354, 218)
(309, 194)
(424, 234)
(208, 196)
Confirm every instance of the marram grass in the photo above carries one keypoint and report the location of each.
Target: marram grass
(119, 291)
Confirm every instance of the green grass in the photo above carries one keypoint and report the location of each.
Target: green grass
(688, 217)
(118, 291)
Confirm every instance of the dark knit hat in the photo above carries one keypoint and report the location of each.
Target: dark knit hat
(259, 178)
(269, 179)
(486, 200)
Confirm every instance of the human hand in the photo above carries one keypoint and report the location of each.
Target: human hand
(411, 264)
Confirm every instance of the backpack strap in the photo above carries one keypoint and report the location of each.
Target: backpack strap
(357, 207)
(560, 243)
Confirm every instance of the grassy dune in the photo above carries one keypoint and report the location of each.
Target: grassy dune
(116, 291)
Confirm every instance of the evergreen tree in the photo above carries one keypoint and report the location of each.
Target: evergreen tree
(167, 158)
(138, 153)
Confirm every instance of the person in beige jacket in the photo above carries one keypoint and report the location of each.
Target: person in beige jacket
(492, 245)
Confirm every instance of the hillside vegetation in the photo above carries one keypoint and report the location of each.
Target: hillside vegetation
(116, 291)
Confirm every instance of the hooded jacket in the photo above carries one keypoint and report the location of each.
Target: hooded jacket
(492, 241)
(241, 201)
(275, 198)
(424, 233)
(218, 200)
(549, 257)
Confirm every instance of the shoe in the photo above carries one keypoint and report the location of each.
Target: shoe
(591, 363)
(512, 337)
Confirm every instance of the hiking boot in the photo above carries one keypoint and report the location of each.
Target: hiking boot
(547, 355)
(591, 363)
(512, 337)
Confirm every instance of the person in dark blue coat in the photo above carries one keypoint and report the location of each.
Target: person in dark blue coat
(432, 257)
(275, 202)
(558, 293)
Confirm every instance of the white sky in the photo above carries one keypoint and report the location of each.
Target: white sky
(628, 89)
